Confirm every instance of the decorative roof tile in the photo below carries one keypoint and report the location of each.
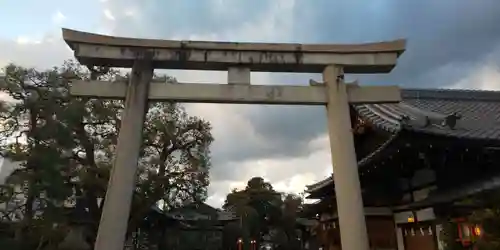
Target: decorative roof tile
(455, 113)
(468, 114)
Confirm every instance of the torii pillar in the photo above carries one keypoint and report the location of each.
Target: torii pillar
(345, 165)
(239, 59)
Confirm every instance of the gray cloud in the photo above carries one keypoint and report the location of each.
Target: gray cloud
(447, 40)
(439, 33)
(289, 129)
(184, 18)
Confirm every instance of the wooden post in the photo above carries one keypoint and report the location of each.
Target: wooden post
(116, 208)
(353, 233)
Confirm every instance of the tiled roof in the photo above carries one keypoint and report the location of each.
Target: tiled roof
(476, 113)
(469, 114)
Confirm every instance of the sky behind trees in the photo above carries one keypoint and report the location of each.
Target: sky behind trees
(451, 44)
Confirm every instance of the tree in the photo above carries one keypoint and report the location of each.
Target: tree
(65, 146)
(264, 211)
(292, 205)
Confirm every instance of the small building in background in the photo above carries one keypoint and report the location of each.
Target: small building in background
(194, 226)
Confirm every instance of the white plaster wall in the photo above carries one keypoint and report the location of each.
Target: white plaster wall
(426, 214)
(422, 193)
(400, 239)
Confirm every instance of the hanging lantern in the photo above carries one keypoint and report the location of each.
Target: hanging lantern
(464, 233)
(477, 231)
(466, 230)
(467, 233)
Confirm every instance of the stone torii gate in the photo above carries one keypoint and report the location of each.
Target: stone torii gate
(239, 59)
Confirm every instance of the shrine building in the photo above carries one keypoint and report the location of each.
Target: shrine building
(417, 160)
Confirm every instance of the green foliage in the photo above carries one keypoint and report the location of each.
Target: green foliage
(263, 211)
(65, 146)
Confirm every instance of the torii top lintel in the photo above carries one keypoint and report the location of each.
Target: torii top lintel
(100, 50)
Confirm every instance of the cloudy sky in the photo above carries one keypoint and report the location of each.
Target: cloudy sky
(451, 44)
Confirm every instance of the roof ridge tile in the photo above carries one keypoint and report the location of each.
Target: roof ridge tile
(451, 94)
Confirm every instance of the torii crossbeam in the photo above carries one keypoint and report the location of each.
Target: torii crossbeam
(239, 59)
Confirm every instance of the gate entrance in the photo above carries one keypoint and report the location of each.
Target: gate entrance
(238, 59)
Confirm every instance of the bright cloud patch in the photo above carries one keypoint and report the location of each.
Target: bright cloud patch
(285, 145)
(109, 15)
(484, 75)
(58, 17)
